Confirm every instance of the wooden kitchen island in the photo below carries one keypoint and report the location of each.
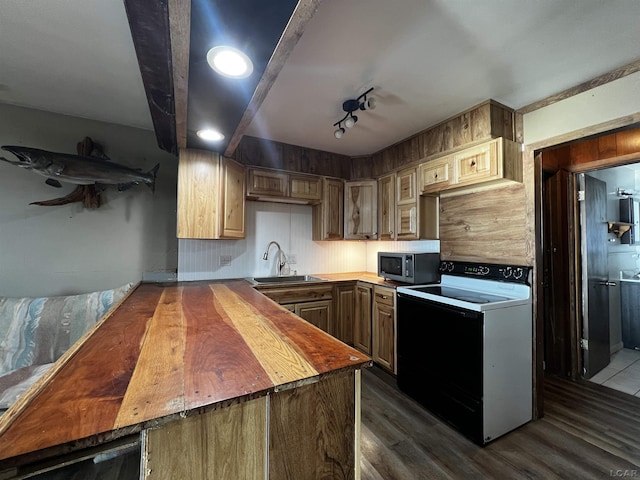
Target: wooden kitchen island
(211, 379)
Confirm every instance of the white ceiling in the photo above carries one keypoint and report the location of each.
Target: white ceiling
(427, 60)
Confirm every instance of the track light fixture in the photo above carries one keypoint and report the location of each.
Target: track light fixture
(350, 106)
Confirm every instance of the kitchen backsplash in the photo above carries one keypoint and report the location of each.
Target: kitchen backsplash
(291, 227)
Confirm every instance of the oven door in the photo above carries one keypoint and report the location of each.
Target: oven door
(440, 360)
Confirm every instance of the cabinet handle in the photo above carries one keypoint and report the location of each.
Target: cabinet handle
(473, 163)
(435, 176)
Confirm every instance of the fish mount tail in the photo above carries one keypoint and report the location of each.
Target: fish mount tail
(153, 173)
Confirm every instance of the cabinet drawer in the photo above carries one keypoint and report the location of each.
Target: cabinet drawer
(384, 295)
(435, 175)
(477, 164)
(265, 182)
(292, 294)
(305, 187)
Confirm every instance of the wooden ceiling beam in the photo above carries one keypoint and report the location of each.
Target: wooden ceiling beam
(180, 29)
(289, 39)
(149, 25)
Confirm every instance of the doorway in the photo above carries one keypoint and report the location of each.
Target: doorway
(573, 313)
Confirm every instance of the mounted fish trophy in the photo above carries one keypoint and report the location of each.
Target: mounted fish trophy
(91, 170)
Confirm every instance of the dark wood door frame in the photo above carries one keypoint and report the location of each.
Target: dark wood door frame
(529, 155)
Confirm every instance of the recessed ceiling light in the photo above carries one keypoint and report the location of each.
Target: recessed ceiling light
(230, 62)
(210, 134)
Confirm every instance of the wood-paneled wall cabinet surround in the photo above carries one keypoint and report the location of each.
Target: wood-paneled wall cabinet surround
(361, 208)
(328, 215)
(211, 196)
(407, 206)
(383, 327)
(362, 326)
(387, 207)
(345, 312)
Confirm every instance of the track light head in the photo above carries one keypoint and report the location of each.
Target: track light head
(350, 121)
(369, 104)
(350, 106)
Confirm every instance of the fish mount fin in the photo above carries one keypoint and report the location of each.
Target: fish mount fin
(83, 193)
(154, 173)
(53, 183)
(122, 187)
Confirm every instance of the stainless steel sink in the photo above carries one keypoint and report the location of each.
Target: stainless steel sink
(286, 279)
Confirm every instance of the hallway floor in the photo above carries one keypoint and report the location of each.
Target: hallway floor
(622, 373)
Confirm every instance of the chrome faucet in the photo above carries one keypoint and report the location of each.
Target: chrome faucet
(282, 259)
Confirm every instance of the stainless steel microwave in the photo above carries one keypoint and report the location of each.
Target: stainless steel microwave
(409, 267)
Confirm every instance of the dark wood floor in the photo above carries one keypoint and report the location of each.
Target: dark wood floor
(588, 432)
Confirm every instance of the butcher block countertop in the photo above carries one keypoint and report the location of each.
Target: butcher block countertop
(168, 351)
(354, 276)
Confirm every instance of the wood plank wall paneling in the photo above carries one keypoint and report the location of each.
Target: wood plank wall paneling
(483, 122)
(597, 149)
(490, 226)
(259, 152)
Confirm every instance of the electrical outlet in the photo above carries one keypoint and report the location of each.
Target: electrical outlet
(225, 260)
(291, 259)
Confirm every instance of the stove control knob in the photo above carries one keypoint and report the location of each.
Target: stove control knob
(507, 272)
(484, 270)
(450, 267)
(517, 274)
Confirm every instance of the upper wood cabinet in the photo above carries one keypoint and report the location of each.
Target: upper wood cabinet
(493, 163)
(407, 205)
(211, 193)
(360, 203)
(328, 215)
(387, 207)
(264, 184)
(267, 182)
(435, 175)
(305, 186)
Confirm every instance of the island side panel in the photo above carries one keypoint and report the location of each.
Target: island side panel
(312, 430)
(225, 443)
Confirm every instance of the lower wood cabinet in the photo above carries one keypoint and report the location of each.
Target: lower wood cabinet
(314, 302)
(362, 325)
(317, 313)
(383, 327)
(344, 313)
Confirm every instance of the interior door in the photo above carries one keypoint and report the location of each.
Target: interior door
(595, 274)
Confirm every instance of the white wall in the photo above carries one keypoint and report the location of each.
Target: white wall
(291, 227)
(601, 104)
(68, 249)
